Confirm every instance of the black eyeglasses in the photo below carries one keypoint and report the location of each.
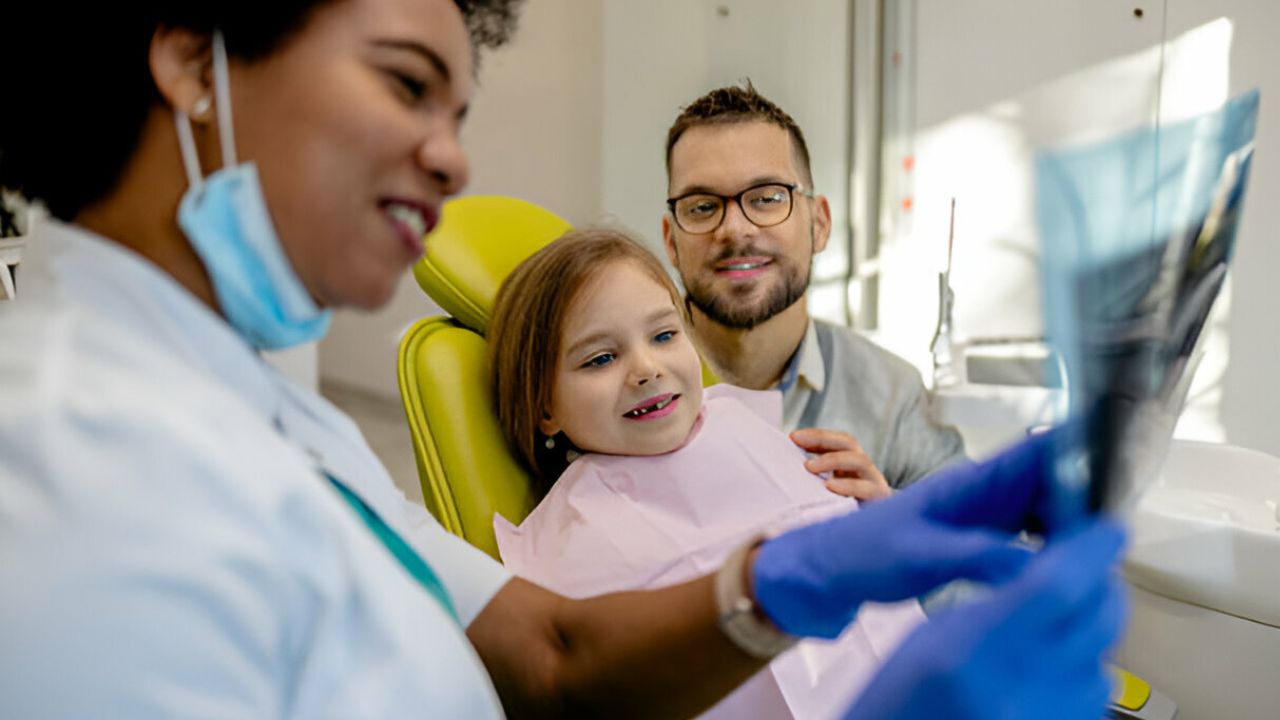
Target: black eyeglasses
(764, 205)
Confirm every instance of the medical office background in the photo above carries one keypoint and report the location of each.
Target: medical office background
(905, 104)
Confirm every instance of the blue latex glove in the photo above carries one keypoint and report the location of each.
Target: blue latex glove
(956, 524)
(1033, 650)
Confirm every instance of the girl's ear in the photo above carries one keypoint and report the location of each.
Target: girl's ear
(548, 425)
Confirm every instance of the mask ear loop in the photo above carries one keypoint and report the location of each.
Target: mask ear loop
(222, 100)
(187, 142)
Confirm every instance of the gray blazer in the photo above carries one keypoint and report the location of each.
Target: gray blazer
(839, 380)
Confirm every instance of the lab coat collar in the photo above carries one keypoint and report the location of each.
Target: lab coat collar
(108, 278)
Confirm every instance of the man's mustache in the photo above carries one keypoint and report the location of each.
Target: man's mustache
(747, 250)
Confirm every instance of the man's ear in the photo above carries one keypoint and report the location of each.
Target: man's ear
(821, 223)
(669, 241)
(180, 61)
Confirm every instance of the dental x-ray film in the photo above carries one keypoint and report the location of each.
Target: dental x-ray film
(1136, 233)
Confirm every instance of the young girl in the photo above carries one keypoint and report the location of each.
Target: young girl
(649, 480)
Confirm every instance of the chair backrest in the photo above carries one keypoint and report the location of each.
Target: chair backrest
(466, 470)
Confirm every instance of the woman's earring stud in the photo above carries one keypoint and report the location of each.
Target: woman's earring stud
(201, 106)
(550, 443)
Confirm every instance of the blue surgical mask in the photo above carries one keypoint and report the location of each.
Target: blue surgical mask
(226, 219)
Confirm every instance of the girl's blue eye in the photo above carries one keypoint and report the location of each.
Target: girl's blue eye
(664, 336)
(599, 360)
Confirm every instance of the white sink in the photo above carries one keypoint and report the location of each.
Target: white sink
(989, 417)
(1207, 532)
(1204, 562)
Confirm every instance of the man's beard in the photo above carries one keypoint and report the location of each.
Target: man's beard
(726, 310)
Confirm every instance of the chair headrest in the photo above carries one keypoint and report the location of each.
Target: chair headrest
(479, 241)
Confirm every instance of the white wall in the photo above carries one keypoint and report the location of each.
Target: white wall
(1250, 410)
(998, 79)
(533, 132)
(662, 54)
(560, 122)
(573, 116)
(994, 80)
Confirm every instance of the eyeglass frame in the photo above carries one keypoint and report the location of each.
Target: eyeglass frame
(792, 188)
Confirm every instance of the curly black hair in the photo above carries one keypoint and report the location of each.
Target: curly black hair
(77, 87)
(490, 22)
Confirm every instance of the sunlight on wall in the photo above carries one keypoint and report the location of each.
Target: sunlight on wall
(984, 159)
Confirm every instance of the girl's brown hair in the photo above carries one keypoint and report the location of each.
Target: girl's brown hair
(525, 334)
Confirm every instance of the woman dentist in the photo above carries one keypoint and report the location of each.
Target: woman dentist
(185, 533)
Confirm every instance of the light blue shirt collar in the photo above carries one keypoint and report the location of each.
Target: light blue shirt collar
(806, 365)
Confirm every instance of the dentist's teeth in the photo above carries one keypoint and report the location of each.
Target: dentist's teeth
(409, 216)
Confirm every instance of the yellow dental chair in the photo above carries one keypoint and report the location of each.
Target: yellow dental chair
(466, 471)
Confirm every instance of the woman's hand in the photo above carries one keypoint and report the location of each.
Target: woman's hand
(852, 472)
(957, 523)
(1035, 648)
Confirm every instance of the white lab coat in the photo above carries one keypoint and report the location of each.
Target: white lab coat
(168, 547)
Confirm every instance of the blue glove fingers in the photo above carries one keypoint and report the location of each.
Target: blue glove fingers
(1090, 637)
(1070, 679)
(1085, 697)
(973, 554)
(811, 581)
(1001, 492)
(945, 669)
(1032, 650)
(1069, 573)
(1063, 615)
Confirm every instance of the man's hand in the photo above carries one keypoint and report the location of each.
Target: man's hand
(852, 472)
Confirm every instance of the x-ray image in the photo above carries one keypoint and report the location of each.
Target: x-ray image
(1137, 235)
